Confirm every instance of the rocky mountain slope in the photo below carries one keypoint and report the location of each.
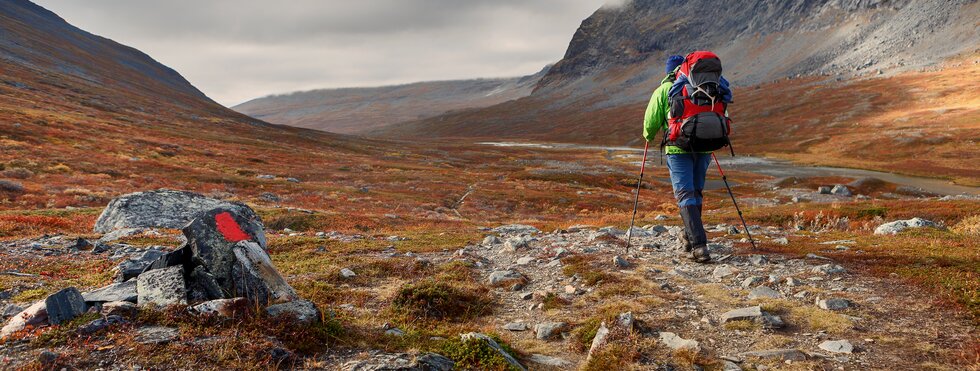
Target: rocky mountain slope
(598, 91)
(356, 110)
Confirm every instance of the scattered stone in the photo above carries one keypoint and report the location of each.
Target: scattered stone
(491, 241)
(34, 315)
(572, 290)
(620, 262)
(749, 313)
(121, 308)
(48, 360)
(833, 304)
(841, 190)
(781, 241)
(672, 341)
(220, 307)
(837, 346)
(159, 209)
(292, 180)
(901, 225)
(347, 273)
(781, 354)
(525, 260)
(527, 296)
(516, 229)
(395, 332)
(493, 344)
(550, 361)
(512, 245)
(302, 311)
(120, 291)
(758, 260)
(156, 335)
(727, 365)
(561, 253)
(501, 277)
(764, 292)
(548, 330)
(100, 324)
(793, 281)
(516, 326)
(626, 320)
(824, 190)
(600, 339)
(661, 217)
(752, 281)
(65, 305)
(202, 286)
(10, 310)
(722, 271)
(133, 267)
(161, 287)
(828, 269)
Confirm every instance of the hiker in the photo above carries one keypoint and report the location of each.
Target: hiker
(690, 106)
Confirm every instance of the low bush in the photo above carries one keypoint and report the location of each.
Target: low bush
(439, 300)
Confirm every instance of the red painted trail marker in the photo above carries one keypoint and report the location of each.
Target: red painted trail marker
(230, 228)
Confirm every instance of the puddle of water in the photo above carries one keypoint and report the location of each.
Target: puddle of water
(780, 168)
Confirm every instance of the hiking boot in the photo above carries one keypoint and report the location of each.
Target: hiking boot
(700, 254)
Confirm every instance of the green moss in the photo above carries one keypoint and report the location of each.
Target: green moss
(30, 296)
(584, 334)
(553, 301)
(430, 299)
(475, 354)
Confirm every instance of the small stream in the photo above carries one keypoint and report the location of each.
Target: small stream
(779, 169)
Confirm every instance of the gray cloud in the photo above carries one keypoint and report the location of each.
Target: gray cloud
(235, 50)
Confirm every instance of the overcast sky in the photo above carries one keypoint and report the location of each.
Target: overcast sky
(236, 50)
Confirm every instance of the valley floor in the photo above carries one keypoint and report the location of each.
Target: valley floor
(415, 233)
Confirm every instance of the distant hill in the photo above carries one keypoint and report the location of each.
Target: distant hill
(357, 110)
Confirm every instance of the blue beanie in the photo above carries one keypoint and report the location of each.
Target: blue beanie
(674, 61)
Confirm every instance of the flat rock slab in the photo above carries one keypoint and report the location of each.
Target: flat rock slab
(834, 304)
(516, 326)
(780, 354)
(122, 291)
(162, 208)
(550, 361)
(65, 305)
(161, 287)
(32, 316)
(500, 277)
(672, 341)
(220, 307)
(837, 346)
(749, 313)
(156, 335)
(401, 361)
(548, 330)
(764, 292)
(901, 225)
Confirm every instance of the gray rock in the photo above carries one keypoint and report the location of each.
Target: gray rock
(752, 281)
(824, 190)
(475, 336)
(499, 277)
(48, 360)
(301, 310)
(780, 354)
(833, 304)
(828, 269)
(515, 326)
(722, 271)
(730, 366)
(34, 315)
(120, 308)
(161, 287)
(749, 313)
(837, 346)
(65, 305)
(10, 310)
(793, 281)
(133, 267)
(672, 341)
(549, 361)
(156, 335)
(401, 362)
(256, 278)
(516, 229)
(781, 241)
(202, 286)
(600, 339)
(120, 291)
(548, 330)
(561, 253)
(764, 292)
(119, 234)
(515, 244)
(525, 260)
(491, 241)
(626, 320)
(770, 321)
(395, 332)
(620, 262)
(100, 324)
(347, 273)
(220, 307)
(841, 190)
(758, 260)
(901, 225)
(160, 209)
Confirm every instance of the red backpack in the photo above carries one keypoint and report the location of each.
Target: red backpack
(698, 119)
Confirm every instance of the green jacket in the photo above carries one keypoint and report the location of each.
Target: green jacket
(655, 118)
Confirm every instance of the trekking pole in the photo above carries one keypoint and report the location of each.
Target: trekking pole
(725, 179)
(636, 201)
